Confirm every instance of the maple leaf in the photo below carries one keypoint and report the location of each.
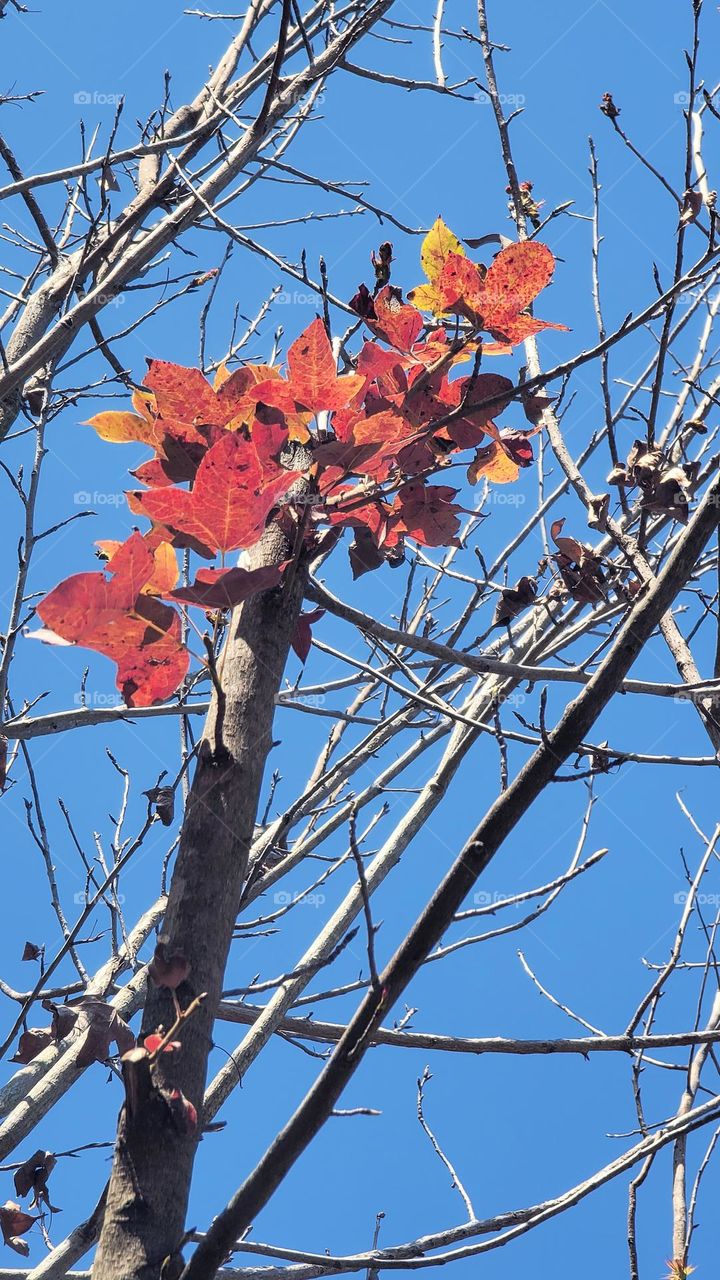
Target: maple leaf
(313, 383)
(494, 299)
(397, 322)
(426, 513)
(114, 617)
(514, 279)
(236, 487)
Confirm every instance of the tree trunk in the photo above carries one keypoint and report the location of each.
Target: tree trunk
(148, 1193)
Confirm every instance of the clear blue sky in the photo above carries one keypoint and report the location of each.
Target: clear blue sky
(517, 1129)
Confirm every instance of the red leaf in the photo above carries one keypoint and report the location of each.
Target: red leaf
(399, 323)
(184, 394)
(516, 276)
(313, 382)
(235, 489)
(114, 617)
(427, 514)
(152, 1044)
(302, 639)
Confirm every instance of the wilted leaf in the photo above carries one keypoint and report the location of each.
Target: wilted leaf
(31, 1043)
(163, 798)
(426, 513)
(513, 600)
(33, 1175)
(14, 1223)
(168, 968)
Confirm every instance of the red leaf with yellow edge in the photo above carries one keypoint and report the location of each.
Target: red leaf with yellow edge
(235, 490)
(427, 513)
(225, 588)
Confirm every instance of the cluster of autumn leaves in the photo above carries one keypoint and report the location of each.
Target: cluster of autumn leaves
(312, 449)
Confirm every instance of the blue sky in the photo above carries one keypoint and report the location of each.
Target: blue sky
(517, 1129)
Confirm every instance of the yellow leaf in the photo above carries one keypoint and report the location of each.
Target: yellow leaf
(143, 402)
(222, 374)
(438, 244)
(426, 298)
(493, 463)
(120, 427)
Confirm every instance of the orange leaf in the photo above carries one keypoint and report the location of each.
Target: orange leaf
(493, 463)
